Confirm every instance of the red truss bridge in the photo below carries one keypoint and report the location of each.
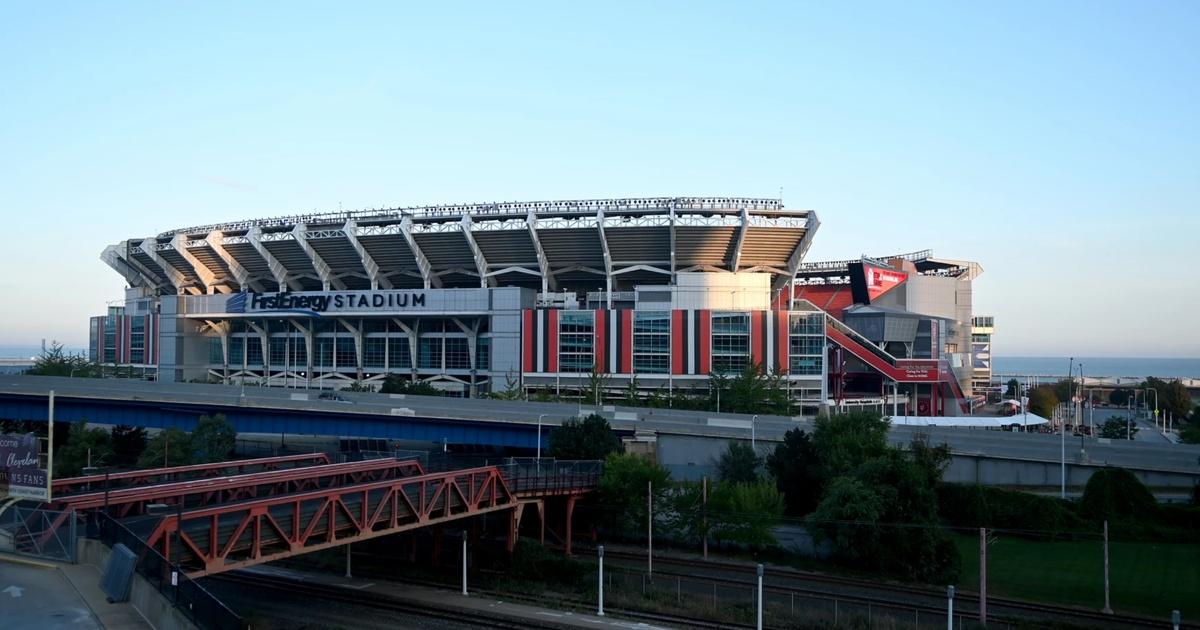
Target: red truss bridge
(213, 524)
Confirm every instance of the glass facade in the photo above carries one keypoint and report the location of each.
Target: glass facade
(806, 344)
(576, 341)
(429, 353)
(374, 352)
(345, 355)
(730, 342)
(651, 342)
(399, 356)
(458, 356)
(483, 353)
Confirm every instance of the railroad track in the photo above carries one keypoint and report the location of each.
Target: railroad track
(923, 599)
(377, 601)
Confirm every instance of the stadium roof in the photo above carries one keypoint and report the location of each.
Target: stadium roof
(607, 244)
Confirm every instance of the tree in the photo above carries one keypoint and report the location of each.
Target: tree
(622, 491)
(738, 463)
(588, 438)
(396, 384)
(1115, 493)
(359, 386)
(1043, 401)
(884, 516)
(511, 391)
(1064, 389)
(1189, 432)
(82, 444)
(1118, 428)
(750, 391)
(597, 383)
(1120, 396)
(128, 443)
(169, 447)
(796, 468)
(1173, 397)
(54, 361)
(1012, 387)
(847, 440)
(745, 513)
(213, 440)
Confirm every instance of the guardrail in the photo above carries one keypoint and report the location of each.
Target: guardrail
(196, 603)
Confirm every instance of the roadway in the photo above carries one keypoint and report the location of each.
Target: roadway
(1147, 455)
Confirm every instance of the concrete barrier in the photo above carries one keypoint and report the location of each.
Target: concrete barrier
(152, 605)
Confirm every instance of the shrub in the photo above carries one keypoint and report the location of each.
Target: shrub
(1116, 494)
(983, 506)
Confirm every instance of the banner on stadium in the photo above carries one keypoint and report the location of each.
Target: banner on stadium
(22, 473)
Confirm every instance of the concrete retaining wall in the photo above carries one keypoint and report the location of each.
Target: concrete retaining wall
(156, 608)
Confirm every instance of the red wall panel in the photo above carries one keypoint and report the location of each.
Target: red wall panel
(552, 340)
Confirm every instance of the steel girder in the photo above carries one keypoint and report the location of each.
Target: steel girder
(127, 502)
(160, 475)
(225, 537)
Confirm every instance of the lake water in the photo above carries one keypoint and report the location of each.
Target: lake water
(1098, 366)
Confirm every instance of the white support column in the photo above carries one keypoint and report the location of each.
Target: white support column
(736, 256)
(216, 242)
(206, 276)
(423, 265)
(324, 272)
(113, 258)
(548, 283)
(671, 227)
(282, 279)
(485, 280)
(149, 248)
(378, 279)
(810, 230)
(412, 344)
(608, 267)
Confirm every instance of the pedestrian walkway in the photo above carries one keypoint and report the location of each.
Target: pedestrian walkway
(490, 605)
(59, 596)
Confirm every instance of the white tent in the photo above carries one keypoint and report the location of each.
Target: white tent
(993, 422)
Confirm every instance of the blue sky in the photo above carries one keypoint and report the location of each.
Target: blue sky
(1058, 144)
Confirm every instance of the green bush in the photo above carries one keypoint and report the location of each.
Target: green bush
(1116, 494)
(983, 506)
(534, 562)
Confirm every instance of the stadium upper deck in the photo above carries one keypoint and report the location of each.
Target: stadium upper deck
(603, 244)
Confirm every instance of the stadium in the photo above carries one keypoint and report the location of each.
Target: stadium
(652, 295)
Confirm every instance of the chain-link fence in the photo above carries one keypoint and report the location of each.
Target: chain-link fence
(39, 533)
(735, 602)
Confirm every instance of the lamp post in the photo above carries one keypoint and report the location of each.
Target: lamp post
(1148, 390)
(539, 437)
(753, 444)
(600, 600)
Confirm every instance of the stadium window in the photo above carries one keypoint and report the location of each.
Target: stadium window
(730, 342)
(374, 351)
(429, 353)
(651, 342)
(278, 346)
(576, 341)
(458, 354)
(214, 351)
(806, 344)
(483, 353)
(345, 354)
(254, 351)
(398, 353)
(324, 358)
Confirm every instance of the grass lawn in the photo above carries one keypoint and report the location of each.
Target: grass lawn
(1146, 578)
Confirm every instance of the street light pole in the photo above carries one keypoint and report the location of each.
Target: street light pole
(753, 444)
(539, 437)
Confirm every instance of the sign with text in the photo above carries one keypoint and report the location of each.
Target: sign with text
(22, 475)
(326, 302)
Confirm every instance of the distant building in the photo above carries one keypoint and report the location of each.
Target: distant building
(982, 329)
(655, 293)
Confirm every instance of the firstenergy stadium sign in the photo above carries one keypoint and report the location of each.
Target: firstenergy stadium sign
(325, 302)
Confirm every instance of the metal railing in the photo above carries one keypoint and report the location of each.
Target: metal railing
(35, 532)
(196, 603)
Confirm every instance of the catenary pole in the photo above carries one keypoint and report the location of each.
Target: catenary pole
(1107, 602)
(983, 576)
(600, 600)
(758, 614)
(464, 563)
(650, 527)
(704, 522)
(949, 608)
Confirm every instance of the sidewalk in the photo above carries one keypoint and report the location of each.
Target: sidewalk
(450, 599)
(50, 595)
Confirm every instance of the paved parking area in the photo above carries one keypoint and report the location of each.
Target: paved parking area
(36, 597)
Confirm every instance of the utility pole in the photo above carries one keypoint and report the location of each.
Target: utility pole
(949, 608)
(704, 509)
(650, 527)
(464, 563)
(983, 576)
(600, 601)
(758, 616)
(1107, 604)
